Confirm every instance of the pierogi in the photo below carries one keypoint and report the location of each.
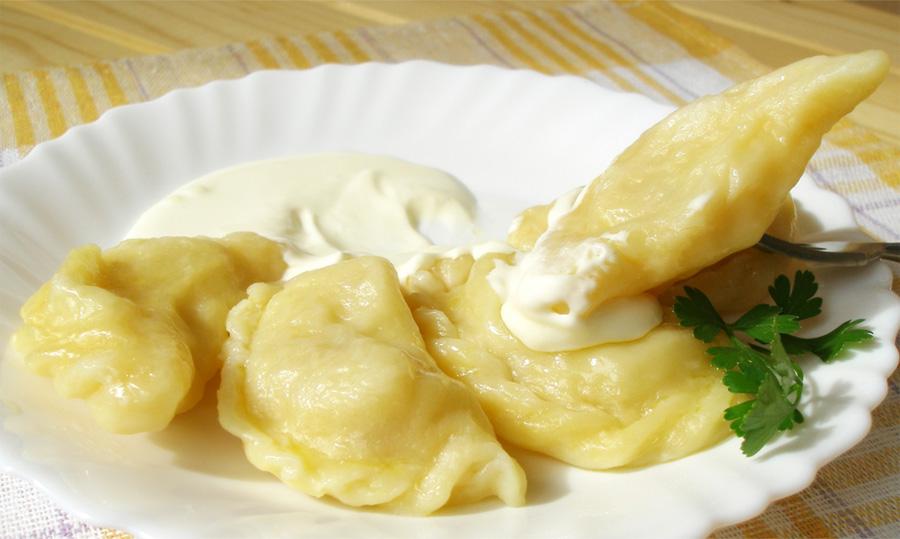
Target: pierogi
(700, 185)
(136, 330)
(328, 383)
(640, 402)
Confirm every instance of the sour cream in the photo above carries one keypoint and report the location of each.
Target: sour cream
(322, 207)
(548, 309)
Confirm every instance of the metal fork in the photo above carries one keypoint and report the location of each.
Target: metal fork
(838, 253)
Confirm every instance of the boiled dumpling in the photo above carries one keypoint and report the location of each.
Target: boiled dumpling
(328, 384)
(703, 183)
(734, 284)
(136, 330)
(641, 402)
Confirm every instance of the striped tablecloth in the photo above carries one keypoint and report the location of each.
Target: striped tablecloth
(649, 48)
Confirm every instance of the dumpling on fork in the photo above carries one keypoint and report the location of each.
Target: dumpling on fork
(702, 184)
(328, 384)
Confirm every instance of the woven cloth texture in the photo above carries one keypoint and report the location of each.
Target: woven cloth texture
(650, 48)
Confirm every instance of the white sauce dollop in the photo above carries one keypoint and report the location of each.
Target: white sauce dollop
(548, 309)
(322, 207)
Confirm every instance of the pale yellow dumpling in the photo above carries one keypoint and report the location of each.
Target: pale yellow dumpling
(328, 384)
(136, 330)
(626, 404)
(705, 182)
(734, 284)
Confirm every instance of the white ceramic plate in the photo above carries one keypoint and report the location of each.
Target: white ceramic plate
(515, 138)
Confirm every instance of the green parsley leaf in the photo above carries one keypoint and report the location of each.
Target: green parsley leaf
(725, 357)
(697, 311)
(799, 301)
(769, 410)
(764, 322)
(757, 359)
(736, 415)
(829, 346)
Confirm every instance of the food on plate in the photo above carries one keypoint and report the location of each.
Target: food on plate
(136, 330)
(571, 340)
(633, 403)
(703, 183)
(328, 383)
(741, 280)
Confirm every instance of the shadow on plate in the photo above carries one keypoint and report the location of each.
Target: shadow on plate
(822, 407)
(198, 443)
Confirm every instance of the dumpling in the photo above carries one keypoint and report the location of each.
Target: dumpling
(701, 184)
(328, 384)
(136, 330)
(734, 284)
(625, 404)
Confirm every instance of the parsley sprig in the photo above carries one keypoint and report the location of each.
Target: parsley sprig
(758, 358)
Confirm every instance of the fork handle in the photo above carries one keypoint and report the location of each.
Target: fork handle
(891, 252)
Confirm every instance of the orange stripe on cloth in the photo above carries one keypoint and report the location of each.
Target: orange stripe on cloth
(115, 534)
(262, 55)
(509, 44)
(293, 52)
(756, 529)
(87, 109)
(891, 177)
(352, 47)
(539, 44)
(56, 120)
(685, 30)
(885, 152)
(21, 120)
(592, 61)
(607, 51)
(882, 157)
(876, 513)
(322, 50)
(804, 519)
(849, 471)
(110, 84)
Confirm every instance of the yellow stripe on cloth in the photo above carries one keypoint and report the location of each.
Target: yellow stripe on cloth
(510, 45)
(883, 158)
(110, 84)
(756, 529)
(322, 50)
(262, 55)
(351, 46)
(293, 52)
(538, 44)
(804, 519)
(877, 513)
(591, 61)
(855, 470)
(56, 122)
(87, 109)
(686, 31)
(21, 120)
(607, 51)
